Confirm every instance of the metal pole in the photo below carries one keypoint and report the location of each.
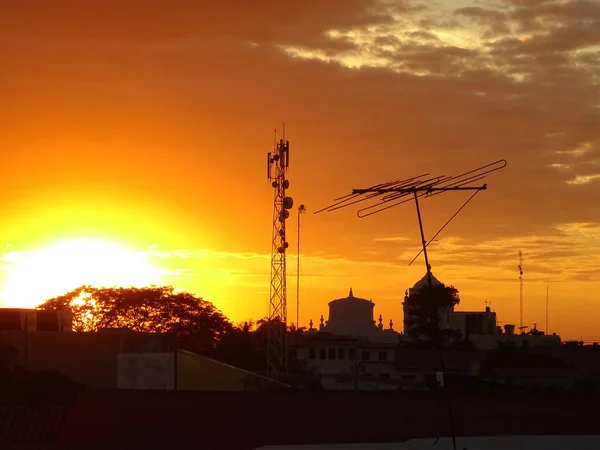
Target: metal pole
(438, 337)
(547, 328)
(423, 241)
(298, 274)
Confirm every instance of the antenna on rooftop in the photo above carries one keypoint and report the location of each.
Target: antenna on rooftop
(384, 196)
(387, 195)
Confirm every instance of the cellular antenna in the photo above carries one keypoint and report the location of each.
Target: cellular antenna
(384, 196)
(277, 165)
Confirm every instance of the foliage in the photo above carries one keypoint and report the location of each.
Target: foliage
(245, 345)
(425, 305)
(195, 322)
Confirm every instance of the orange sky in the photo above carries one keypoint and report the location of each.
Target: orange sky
(149, 127)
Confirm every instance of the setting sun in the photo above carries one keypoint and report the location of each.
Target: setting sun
(39, 275)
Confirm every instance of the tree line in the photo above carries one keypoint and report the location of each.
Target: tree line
(196, 324)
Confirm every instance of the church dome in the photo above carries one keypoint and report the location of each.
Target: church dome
(423, 282)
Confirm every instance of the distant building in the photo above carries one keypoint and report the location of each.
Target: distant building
(20, 319)
(353, 316)
(349, 350)
(479, 327)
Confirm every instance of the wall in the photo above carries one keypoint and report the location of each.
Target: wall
(337, 357)
(243, 420)
(88, 358)
(473, 322)
(199, 373)
(146, 371)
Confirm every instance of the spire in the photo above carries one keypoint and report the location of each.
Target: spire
(351, 294)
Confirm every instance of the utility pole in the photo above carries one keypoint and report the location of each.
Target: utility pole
(301, 210)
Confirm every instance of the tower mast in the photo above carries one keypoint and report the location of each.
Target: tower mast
(277, 163)
(520, 290)
(547, 304)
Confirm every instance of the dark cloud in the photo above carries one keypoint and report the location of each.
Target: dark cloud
(295, 21)
(494, 21)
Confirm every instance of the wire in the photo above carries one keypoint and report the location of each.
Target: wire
(445, 225)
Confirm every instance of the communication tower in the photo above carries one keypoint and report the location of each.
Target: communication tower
(278, 162)
(520, 290)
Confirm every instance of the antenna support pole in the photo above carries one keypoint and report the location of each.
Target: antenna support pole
(423, 241)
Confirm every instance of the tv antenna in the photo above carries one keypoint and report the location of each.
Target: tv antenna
(384, 196)
(278, 161)
(394, 193)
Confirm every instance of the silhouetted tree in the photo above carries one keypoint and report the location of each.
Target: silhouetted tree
(240, 347)
(195, 322)
(426, 304)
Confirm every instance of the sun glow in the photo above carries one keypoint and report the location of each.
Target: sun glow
(37, 276)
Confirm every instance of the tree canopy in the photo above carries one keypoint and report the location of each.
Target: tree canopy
(155, 309)
(425, 306)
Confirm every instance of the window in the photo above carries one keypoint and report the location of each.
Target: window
(331, 353)
(352, 354)
(366, 355)
(311, 353)
(322, 354)
(341, 353)
(383, 356)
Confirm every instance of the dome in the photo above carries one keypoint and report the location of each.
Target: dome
(351, 299)
(425, 282)
(350, 315)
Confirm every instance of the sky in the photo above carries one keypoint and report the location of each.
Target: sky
(148, 127)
